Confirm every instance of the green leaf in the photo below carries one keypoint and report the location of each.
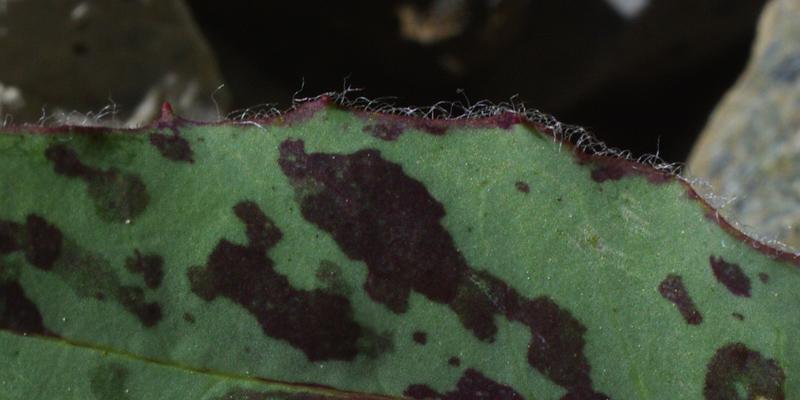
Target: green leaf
(329, 252)
(55, 368)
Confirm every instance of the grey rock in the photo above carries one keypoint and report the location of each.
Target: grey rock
(113, 62)
(750, 150)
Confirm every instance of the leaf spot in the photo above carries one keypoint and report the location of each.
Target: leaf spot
(730, 275)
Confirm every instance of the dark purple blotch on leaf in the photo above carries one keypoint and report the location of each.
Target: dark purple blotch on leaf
(672, 289)
(472, 386)
(38, 239)
(316, 322)
(522, 187)
(615, 168)
(18, 313)
(117, 196)
(420, 337)
(391, 127)
(764, 277)
(88, 274)
(735, 368)
(133, 299)
(454, 361)
(730, 275)
(150, 266)
(188, 317)
(379, 215)
(605, 173)
(43, 245)
(386, 132)
(173, 147)
(738, 316)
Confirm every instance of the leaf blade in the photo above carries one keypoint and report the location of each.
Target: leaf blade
(585, 248)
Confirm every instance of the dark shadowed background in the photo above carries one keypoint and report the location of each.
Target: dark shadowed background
(643, 75)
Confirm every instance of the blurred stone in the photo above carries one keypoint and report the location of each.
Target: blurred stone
(10, 99)
(750, 149)
(628, 8)
(444, 19)
(76, 61)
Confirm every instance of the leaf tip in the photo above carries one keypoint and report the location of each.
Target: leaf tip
(167, 114)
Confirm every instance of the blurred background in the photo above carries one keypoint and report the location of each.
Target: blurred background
(643, 75)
